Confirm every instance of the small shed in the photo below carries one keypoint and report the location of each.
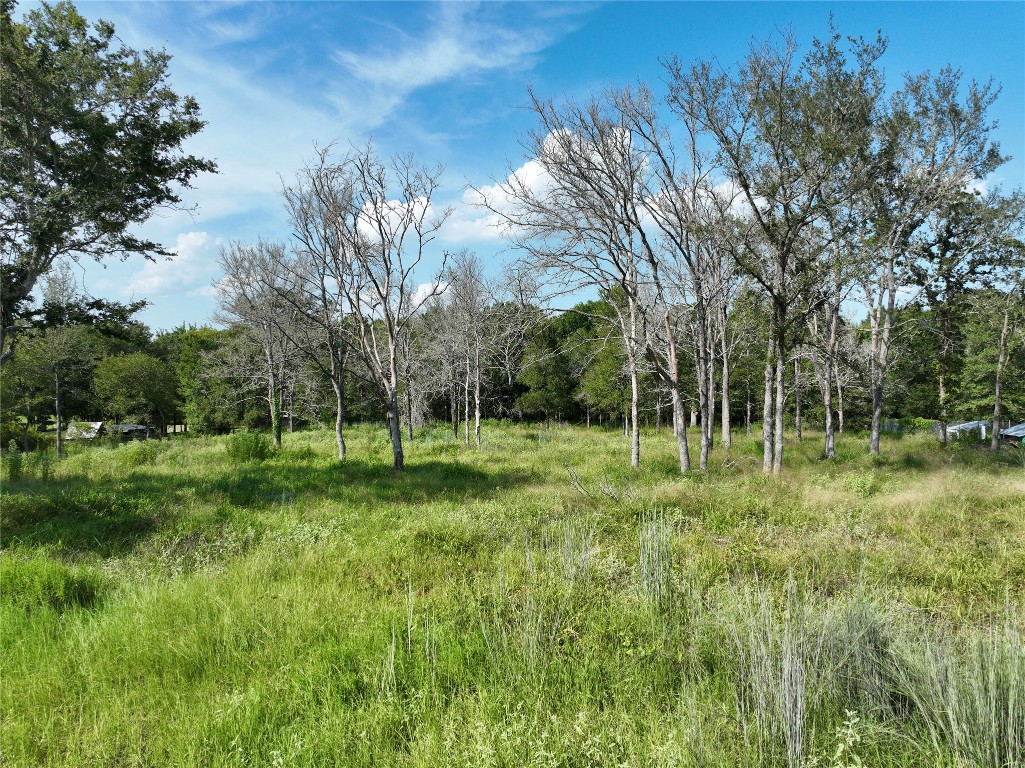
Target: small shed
(965, 427)
(1013, 434)
(132, 431)
(85, 430)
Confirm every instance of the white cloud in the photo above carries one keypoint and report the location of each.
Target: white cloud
(425, 291)
(459, 45)
(192, 267)
(478, 214)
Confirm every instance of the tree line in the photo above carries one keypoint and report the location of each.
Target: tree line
(717, 242)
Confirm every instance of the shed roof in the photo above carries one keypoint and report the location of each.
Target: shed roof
(967, 425)
(84, 430)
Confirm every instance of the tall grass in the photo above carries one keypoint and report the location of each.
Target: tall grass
(971, 695)
(536, 602)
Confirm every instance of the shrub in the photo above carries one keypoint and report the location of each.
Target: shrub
(140, 453)
(40, 464)
(42, 582)
(245, 446)
(14, 466)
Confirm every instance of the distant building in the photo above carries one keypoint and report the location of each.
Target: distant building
(1014, 434)
(85, 430)
(90, 430)
(133, 431)
(966, 427)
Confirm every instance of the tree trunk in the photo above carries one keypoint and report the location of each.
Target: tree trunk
(797, 398)
(466, 403)
(747, 415)
(476, 397)
(680, 428)
(339, 387)
(767, 413)
(453, 402)
(273, 401)
(658, 413)
(725, 384)
(829, 450)
(409, 411)
(635, 432)
(395, 431)
(877, 414)
(882, 328)
(701, 369)
(1001, 362)
(777, 453)
(60, 423)
(943, 402)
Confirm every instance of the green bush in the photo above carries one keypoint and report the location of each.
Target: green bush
(140, 453)
(916, 425)
(37, 440)
(245, 446)
(42, 582)
(40, 464)
(13, 463)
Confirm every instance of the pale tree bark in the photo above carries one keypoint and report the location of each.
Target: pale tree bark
(767, 424)
(724, 349)
(1001, 364)
(790, 154)
(934, 139)
(797, 398)
(466, 402)
(476, 397)
(387, 238)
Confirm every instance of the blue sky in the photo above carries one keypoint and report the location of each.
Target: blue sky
(448, 82)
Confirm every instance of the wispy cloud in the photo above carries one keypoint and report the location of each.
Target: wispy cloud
(192, 267)
(460, 44)
(478, 214)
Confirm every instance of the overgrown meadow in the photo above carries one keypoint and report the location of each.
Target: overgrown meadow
(534, 603)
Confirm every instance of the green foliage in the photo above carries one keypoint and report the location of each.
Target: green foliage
(90, 144)
(247, 445)
(141, 453)
(13, 463)
(547, 370)
(207, 402)
(40, 582)
(492, 606)
(136, 386)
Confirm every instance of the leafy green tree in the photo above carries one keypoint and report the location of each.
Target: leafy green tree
(137, 386)
(548, 372)
(91, 141)
(969, 242)
(993, 374)
(55, 361)
(205, 402)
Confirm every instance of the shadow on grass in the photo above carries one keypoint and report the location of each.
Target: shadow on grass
(79, 516)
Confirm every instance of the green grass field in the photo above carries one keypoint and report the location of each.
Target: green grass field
(536, 603)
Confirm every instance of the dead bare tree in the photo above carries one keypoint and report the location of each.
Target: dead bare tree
(566, 211)
(250, 295)
(389, 223)
(318, 203)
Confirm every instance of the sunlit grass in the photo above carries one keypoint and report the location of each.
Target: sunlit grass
(536, 602)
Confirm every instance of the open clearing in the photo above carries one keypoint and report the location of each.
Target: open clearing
(532, 603)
